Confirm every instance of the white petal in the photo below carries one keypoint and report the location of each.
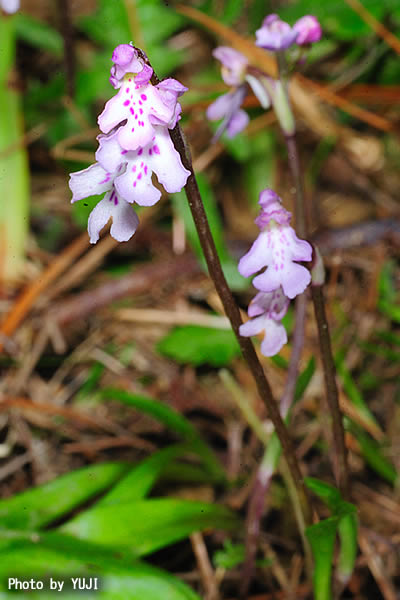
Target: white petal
(125, 220)
(257, 257)
(166, 163)
(90, 182)
(275, 338)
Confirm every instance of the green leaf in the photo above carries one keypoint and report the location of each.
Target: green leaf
(175, 421)
(146, 525)
(139, 481)
(388, 302)
(38, 34)
(322, 540)
(328, 493)
(347, 524)
(118, 580)
(347, 530)
(372, 453)
(351, 388)
(304, 379)
(200, 345)
(41, 505)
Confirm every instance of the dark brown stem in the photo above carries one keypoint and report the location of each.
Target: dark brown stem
(233, 313)
(340, 464)
(69, 51)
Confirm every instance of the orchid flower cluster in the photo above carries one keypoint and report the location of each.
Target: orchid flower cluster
(134, 144)
(277, 248)
(276, 36)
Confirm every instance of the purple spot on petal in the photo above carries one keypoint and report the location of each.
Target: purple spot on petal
(145, 170)
(140, 152)
(150, 152)
(141, 164)
(141, 110)
(133, 129)
(127, 103)
(127, 90)
(116, 200)
(140, 102)
(136, 117)
(139, 176)
(124, 151)
(129, 79)
(143, 97)
(132, 111)
(156, 149)
(134, 184)
(134, 168)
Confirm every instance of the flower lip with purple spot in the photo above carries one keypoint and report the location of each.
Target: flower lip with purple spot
(277, 248)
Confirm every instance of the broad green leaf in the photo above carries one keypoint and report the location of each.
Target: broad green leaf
(139, 481)
(144, 526)
(42, 505)
(117, 580)
(347, 525)
(322, 540)
(200, 345)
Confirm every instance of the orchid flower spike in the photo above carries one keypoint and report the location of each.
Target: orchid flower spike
(277, 248)
(267, 310)
(136, 145)
(126, 176)
(9, 6)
